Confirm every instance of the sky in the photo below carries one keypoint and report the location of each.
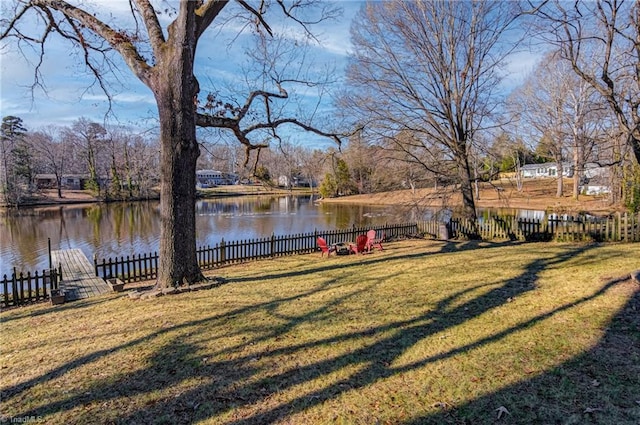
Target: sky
(69, 93)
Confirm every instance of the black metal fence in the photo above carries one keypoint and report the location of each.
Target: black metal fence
(21, 289)
(618, 228)
(144, 267)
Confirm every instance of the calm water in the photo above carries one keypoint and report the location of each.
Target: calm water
(118, 229)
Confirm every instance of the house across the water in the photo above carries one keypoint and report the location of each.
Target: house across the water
(544, 170)
(67, 181)
(213, 178)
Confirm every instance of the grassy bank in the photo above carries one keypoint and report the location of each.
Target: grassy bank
(535, 194)
(423, 332)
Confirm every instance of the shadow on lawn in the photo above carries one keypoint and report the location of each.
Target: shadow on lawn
(599, 386)
(26, 312)
(223, 386)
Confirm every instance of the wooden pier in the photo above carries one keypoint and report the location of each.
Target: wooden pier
(78, 275)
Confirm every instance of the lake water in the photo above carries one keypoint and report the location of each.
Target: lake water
(119, 229)
(127, 228)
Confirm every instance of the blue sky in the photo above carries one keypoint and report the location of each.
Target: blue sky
(69, 94)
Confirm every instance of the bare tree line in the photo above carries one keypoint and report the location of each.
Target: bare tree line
(112, 163)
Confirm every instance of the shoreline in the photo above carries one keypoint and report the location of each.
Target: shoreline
(536, 195)
(49, 198)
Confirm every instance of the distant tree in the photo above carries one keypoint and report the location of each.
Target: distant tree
(91, 140)
(344, 179)
(329, 187)
(142, 166)
(262, 174)
(53, 152)
(15, 160)
(159, 47)
(563, 112)
(312, 166)
(357, 155)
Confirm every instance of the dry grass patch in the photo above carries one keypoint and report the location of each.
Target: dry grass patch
(423, 332)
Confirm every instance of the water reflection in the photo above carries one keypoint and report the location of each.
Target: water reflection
(117, 229)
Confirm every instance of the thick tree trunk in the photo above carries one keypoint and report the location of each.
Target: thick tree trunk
(635, 145)
(179, 151)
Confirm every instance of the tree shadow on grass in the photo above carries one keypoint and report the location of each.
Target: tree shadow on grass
(27, 312)
(600, 386)
(232, 383)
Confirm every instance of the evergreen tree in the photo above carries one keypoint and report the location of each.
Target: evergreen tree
(15, 160)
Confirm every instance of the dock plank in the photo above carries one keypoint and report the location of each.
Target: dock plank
(78, 276)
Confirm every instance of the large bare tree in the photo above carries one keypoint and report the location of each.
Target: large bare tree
(429, 69)
(601, 40)
(158, 45)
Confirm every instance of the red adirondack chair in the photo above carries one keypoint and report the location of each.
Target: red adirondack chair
(372, 241)
(322, 244)
(361, 245)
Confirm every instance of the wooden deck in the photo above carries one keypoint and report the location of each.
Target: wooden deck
(78, 275)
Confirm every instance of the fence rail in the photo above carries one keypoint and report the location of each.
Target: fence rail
(21, 289)
(617, 228)
(144, 267)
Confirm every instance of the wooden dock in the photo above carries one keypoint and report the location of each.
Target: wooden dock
(78, 275)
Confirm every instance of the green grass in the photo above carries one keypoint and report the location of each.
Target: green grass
(423, 332)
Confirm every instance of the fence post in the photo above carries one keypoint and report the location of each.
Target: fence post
(5, 290)
(57, 277)
(49, 251)
(620, 227)
(14, 287)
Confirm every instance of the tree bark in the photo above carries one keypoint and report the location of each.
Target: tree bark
(466, 187)
(179, 152)
(560, 185)
(178, 155)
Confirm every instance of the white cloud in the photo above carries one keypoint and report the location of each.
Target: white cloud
(519, 66)
(67, 96)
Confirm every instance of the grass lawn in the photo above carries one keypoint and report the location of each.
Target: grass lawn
(423, 332)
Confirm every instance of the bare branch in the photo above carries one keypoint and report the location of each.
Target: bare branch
(156, 37)
(288, 8)
(258, 15)
(207, 13)
(119, 41)
(277, 123)
(259, 93)
(12, 24)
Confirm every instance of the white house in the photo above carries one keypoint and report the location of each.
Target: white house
(295, 181)
(548, 169)
(595, 179)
